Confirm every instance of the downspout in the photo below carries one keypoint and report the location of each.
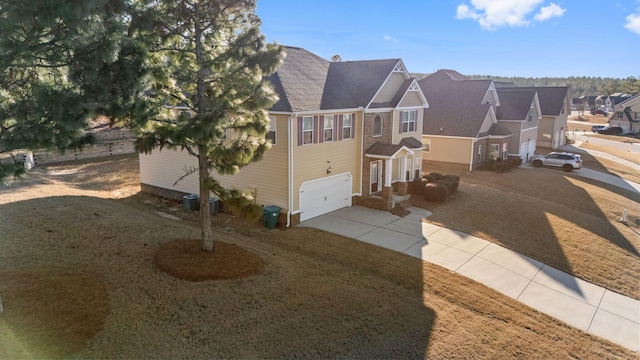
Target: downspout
(290, 169)
(473, 143)
(362, 151)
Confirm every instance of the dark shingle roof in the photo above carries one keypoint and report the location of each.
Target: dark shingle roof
(384, 149)
(300, 81)
(455, 104)
(551, 98)
(306, 82)
(352, 84)
(514, 104)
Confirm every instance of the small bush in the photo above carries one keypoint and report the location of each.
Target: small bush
(455, 177)
(436, 175)
(451, 184)
(417, 186)
(430, 178)
(434, 192)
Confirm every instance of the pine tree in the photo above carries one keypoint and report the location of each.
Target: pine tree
(212, 59)
(62, 63)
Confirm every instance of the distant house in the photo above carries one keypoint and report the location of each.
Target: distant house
(579, 104)
(519, 112)
(555, 107)
(627, 115)
(342, 133)
(460, 125)
(613, 100)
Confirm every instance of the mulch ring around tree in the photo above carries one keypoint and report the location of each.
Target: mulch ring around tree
(49, 313)
(185, 259)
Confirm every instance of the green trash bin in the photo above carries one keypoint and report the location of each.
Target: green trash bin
(270, 216)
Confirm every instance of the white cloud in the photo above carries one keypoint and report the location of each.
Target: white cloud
(633, 23)
(491, 14)
(548, 12)
(390, 39)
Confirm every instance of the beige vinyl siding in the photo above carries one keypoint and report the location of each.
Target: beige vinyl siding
(311, 161)
(546, 130)
(451, 150)
(162, 168)
(487, 123)
(390, 88)
(514, 141)
(397, 136)
(411, 98)
(267, 177)
(534, 120)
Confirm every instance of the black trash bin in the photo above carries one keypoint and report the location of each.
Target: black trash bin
(191, 202)
(214, 206)
(270, 216)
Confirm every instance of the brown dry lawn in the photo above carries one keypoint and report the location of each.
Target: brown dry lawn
(561, 219)
(319, 295)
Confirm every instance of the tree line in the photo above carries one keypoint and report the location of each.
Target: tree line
(578, 85)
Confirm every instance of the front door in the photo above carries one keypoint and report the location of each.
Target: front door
(375, 176)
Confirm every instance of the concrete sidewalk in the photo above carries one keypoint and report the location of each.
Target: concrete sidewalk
(578, 303)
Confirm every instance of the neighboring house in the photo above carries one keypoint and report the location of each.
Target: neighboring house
(579, 104)
(592, 103)
(555, 107)
(614, 99)
(460, 125)
(519, 113)
(627, 115)
(342, 132)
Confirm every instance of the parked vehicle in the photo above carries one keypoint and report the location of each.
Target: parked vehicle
(610, 130)
(598, 112)
(595, 128)
(567, 161)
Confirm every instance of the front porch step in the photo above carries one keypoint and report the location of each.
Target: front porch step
(402, 200)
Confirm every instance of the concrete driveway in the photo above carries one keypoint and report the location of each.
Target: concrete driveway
(581, 304)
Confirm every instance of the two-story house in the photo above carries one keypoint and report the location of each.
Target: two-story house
(519, 113)
(627, 115)
(341, 133)
(460, 126)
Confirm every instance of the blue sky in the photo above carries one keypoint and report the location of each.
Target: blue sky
(529, 38)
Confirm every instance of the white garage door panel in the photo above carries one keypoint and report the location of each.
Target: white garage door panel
(325, 195)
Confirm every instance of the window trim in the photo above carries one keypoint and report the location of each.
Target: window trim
(325, 128)
(411, 119)
(272, 129)
(496, 152)
(479, 153)
(311, 130)
(377, 117)
(427, 145)
(346, 117)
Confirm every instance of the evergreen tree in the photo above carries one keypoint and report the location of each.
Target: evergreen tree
(62, 63)
(212, 59)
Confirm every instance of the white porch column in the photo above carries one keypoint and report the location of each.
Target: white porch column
(403, 169)
(388, 167)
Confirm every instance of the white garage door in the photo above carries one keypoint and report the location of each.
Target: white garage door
(319, 197)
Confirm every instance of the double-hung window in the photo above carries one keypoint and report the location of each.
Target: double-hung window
(271, 135)
(307, 129)
(328, 128)
(346, 126)
(409, 120)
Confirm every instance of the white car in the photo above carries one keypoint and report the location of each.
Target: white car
(566, 160)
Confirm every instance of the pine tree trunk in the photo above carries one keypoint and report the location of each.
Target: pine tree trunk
(205, 214)
(203, 170)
